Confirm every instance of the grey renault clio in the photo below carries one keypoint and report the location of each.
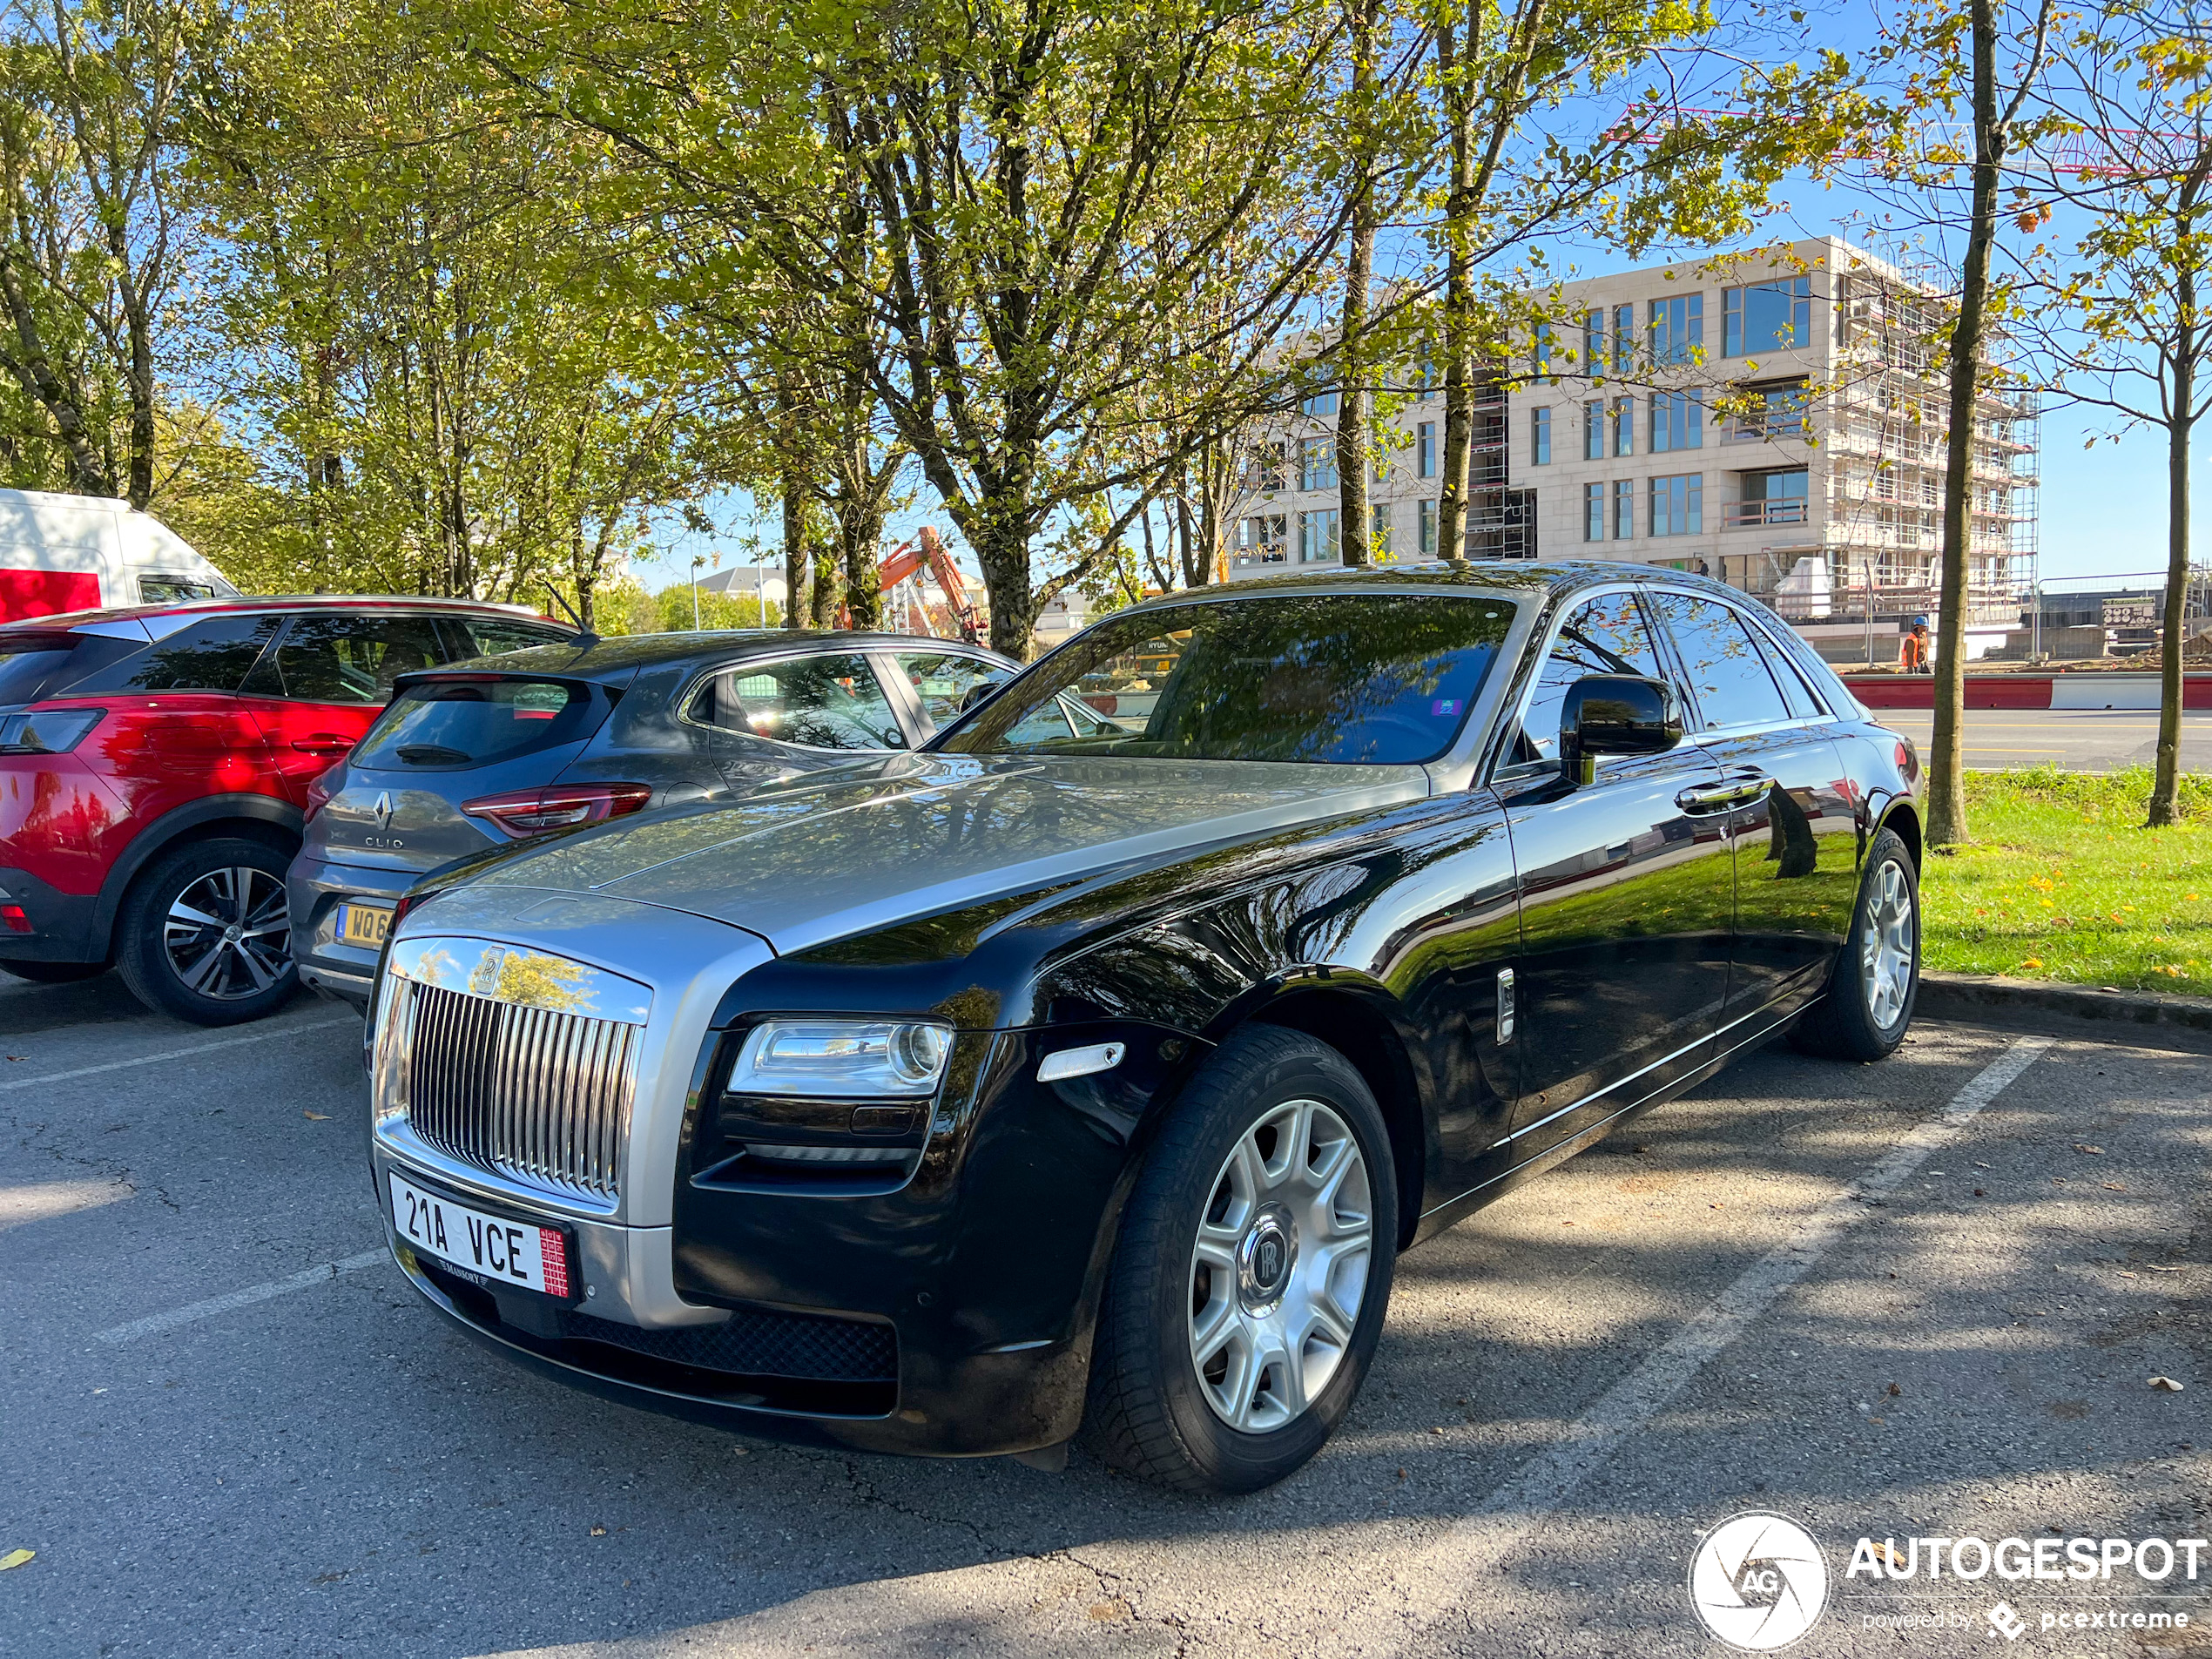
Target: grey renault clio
(482, 754)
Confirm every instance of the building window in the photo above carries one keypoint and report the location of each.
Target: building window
(1318, 536)
(1594, 512)
(1321, 402)
(1678, 420)
(1263, 539)
(1541, 354)
(1624, 426)
(1265, 472)
(1779, 498)
(1594, 343)
(1425, 449)
(1624, 339)
(1678, 505)
(1624, 509)
(1540, 437)
(1594, 432)
(1677, 329)
(1766, 316)
(1425, 514)
(1380, 547)
(1317, 463)
(1777, 412)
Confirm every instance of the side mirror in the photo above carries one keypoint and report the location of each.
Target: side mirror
(979, 692)
(1614, 714)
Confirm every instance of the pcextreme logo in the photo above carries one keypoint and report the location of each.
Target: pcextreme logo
(1758, 1581)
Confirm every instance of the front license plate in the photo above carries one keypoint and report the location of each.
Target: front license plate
(495, 1249)
(364, 924)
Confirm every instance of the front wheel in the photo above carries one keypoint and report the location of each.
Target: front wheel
(1868, 1006)
(1247, 1292)
(207, 933)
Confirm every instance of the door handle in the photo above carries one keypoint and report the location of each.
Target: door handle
(1508, 1013)
(323, 743)
(1735, 793)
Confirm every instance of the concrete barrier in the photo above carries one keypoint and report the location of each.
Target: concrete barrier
(2138, 691)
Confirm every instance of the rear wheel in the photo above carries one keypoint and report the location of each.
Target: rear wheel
(1868, 1005)
(55, 973)
(1248, 1290)
(207, 933)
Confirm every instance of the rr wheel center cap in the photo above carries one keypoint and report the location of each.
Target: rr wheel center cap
(1265, 1257)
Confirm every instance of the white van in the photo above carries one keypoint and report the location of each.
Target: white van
(90, 553)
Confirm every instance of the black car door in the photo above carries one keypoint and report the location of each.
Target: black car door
(1792, 819)
(1626, 893)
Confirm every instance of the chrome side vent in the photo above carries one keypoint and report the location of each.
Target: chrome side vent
(492, 1077)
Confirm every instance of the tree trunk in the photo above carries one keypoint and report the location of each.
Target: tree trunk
(821, 597)
(1002, 549)
(2164, 807)
(795, 559)
(1947, 772)
(861, 533)
(1355, 400)
(1458, 305)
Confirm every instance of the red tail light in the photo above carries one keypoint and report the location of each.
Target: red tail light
(523, 813)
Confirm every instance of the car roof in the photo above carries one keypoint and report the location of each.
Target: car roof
(622, 655)
(1503, 578)
(339, 602)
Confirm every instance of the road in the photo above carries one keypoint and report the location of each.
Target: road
(217, 1442)
(2076, 739)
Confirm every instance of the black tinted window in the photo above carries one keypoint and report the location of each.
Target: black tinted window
(1728, 676)
(349, 659)
(444, 722)
(215, 654)
(833, 702)
(1607, 634)
(1383, 679)
(481, 638)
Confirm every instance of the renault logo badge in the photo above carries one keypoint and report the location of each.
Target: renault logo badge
(383, 810)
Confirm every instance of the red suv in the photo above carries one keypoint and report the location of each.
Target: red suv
(154, 766)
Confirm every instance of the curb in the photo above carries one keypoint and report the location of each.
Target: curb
(2142, 1017)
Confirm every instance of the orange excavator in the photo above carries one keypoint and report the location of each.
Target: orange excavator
(908, 559)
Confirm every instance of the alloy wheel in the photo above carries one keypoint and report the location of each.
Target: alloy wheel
(1279, 1266)
(228, 933)
(1886, 950)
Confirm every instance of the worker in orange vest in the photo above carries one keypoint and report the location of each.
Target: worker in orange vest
(1912, 654)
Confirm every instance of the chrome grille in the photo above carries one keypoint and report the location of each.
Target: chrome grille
(533, 1094)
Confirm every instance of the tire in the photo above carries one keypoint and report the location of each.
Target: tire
(1183, 1391)
(1864, 1015)
(54, 973)
(209, 970)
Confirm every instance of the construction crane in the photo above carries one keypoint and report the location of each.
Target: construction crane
(908, 559)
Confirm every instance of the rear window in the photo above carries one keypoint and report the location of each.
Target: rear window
(452, 723)
(32, 664)
(215, 654)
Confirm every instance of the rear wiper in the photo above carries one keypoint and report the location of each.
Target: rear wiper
(432, 754)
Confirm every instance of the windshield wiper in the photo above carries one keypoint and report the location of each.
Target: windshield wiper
(432, 754)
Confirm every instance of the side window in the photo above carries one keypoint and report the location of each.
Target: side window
(214, 655)
(819, 702)
(942, 682)
(349, 659)
(477, 638)
(1727, 675)
(172, 589)
(1604, 636)
(1786, 674)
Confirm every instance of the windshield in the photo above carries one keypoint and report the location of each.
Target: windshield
(1380, 679)
(474, 722)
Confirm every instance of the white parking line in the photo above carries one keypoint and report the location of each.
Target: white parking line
(153, 1323)
(1441, 1577)
(264, 1035)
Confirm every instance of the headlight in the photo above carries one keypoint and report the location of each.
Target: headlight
(842, 1058)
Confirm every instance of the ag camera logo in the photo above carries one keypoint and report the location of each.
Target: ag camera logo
(1758, 1581)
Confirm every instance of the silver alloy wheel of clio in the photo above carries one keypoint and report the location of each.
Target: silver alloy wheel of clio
(228, 934)
(1278, 1268)
(1887, 945)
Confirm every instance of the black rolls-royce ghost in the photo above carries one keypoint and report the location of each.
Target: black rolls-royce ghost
(1088, 1069)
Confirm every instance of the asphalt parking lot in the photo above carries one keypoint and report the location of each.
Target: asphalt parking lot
(1922, 1297)
(2076, 739)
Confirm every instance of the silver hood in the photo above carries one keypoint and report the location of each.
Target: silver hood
(807, 862)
